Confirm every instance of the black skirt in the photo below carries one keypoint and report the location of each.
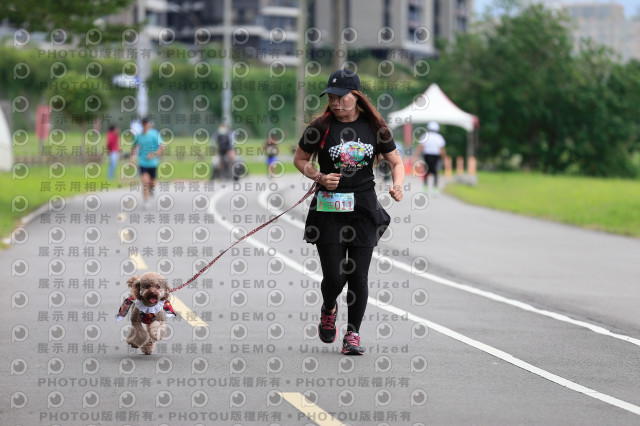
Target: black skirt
(362, 227)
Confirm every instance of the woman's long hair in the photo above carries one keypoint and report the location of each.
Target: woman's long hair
(379, 127)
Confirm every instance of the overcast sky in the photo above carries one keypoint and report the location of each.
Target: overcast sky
(630, 6)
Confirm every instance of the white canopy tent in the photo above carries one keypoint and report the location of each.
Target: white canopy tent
(6, 143)
(433, 105)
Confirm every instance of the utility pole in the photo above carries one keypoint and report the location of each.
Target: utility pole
(301, 89)
(226, 79)
(339, 52)
(144, 48)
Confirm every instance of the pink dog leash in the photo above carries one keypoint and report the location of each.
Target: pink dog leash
(203, 270)
(126, 304)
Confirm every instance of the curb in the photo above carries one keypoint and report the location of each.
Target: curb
(25, 220)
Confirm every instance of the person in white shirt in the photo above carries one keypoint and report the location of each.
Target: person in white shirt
(433, 150)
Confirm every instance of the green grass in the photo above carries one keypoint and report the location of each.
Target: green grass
(180, 146)
(610, 205)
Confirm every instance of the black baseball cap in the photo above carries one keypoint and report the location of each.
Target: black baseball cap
(342, 82)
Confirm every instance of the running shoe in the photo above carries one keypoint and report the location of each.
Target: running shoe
(327, 327)
(351, 344)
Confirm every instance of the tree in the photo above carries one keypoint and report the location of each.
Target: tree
(604, 113)
(79, 98)
(531, 57)
(73, 17)
(538, 100)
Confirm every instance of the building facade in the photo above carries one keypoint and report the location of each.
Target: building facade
(606, 24)
(258, 26)
(387, 26)
(269, 27)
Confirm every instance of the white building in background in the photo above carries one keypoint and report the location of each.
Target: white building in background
(603, 22)
(271, 25)
(258, 26)
(606, 24)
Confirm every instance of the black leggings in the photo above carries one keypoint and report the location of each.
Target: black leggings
(341, 265)
(432, 167)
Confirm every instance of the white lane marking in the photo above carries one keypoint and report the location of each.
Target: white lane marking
(309, 409)
(262, 199)
(447, 331)
(513, 360)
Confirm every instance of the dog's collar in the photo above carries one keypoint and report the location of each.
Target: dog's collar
(149, 309)
(162, 304)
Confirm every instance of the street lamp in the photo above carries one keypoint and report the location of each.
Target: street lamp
(144, 71)
(226, 82)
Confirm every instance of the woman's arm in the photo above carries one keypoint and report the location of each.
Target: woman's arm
(397, 173)
(302, 163)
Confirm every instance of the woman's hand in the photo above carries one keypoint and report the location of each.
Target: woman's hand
(397, 173)
(396, 192)
(302, 163)
(330, 181)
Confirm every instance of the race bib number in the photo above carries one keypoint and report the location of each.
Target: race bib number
(335, 201)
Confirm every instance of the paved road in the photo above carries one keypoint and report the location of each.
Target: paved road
(475, 317)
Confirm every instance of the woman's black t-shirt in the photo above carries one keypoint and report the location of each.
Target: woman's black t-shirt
(349, 149)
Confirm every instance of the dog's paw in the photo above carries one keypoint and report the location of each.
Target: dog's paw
(137, 337)
(147, 349)
(132, 342)
(157, 331)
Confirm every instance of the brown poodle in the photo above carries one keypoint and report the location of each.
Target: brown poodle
(149, 299)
